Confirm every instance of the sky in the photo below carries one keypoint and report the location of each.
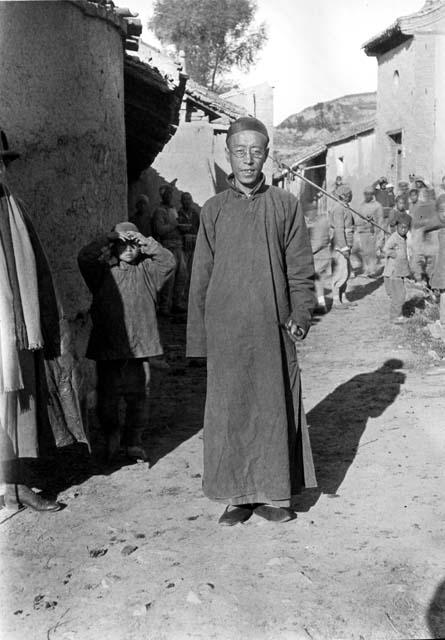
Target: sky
(313, 52)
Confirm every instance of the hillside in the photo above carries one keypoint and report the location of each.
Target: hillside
(320, 122)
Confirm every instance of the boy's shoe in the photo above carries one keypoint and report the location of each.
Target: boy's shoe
(400, 320)
(137, 452)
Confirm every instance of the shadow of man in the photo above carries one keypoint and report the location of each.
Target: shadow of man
(338, 422)
(436, 613)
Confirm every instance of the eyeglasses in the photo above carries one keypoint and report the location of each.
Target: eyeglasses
(242, 152)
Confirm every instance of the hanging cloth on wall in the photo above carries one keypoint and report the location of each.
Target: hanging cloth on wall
(10, 373)
(26, 274)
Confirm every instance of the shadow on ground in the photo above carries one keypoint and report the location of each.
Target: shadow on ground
(177, 411)
(360, 291)
(436, 613)
(338, 422)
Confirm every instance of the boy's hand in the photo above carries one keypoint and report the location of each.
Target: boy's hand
(150, 245)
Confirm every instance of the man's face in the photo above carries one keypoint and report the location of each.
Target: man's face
(186, 201)
(368, 196)
(413, 196)
(167, 196)
(419, 184)
(142, 207)
(127, 251)
(402, 229)
(247, 152)
(383, 185)
(400, 205)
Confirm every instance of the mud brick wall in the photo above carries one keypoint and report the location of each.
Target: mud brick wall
(406, 101)
(62, 107)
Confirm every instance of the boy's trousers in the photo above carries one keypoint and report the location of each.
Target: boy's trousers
(130, 380)
(395, 288)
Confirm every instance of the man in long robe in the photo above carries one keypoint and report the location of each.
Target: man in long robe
(251, 298)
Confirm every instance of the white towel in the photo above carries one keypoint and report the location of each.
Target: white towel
(27, 275)
(10, 373)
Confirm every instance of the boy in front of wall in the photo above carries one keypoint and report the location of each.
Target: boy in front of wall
(397, 268)
(125, 272)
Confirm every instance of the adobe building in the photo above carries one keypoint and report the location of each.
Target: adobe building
(349, 154)
(85, 117)
(410, 127)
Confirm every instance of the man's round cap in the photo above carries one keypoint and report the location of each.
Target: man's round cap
(368, 189)
(403, 184)
(122, 227)
(247, 124)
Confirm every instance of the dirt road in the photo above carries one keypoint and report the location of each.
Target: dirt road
(137, 554)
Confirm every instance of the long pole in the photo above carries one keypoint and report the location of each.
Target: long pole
(330, 195)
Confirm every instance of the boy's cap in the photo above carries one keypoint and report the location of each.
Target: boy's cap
(403, 184)
(403, 218)
(122, 227)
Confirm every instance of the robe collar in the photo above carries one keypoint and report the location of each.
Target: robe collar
(260, 187)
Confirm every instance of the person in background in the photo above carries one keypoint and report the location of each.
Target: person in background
(365, 232)
(124, 271)
(341, 224)
(397, 268)
(424, 243)
(251, 299)
(318, 227)
(413, 200)
(397, 210)
(337, 184)
(165, 222)
(391, 195)
(188, 223)
(386, 199)
(142, 217)
(403, 192)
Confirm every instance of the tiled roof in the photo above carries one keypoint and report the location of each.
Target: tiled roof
(341, 136)
(213, 102)
(152, 106)
(404, 28)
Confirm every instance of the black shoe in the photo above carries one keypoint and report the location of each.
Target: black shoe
(275, 514)
(235, 515)
(21, 495)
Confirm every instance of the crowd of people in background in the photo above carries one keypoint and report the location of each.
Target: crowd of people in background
(394, 232)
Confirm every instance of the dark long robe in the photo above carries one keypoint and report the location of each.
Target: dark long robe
(252, 270)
